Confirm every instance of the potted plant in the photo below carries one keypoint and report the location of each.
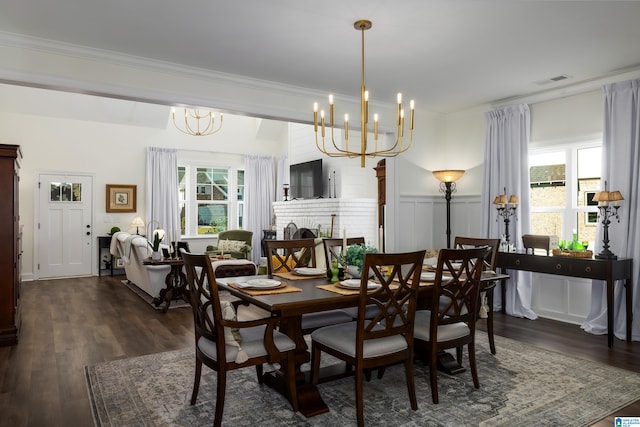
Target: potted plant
(355, 258)
(155, 246)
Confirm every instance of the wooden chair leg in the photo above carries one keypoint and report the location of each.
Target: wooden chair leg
(259, 373)
(359, 397)
(471, 348)
(411, 388)
(380, 373)
(222, 386)
(433, 374)
(196, 381)
(492, 344)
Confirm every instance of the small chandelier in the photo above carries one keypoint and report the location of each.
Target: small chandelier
(192, 125)
(364, 151)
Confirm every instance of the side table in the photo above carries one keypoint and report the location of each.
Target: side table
(176, 282)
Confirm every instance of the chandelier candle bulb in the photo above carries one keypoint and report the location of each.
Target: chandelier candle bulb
(346, 126)
(315, 117)
(342, 149)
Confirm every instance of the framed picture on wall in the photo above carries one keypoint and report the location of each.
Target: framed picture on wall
(121, 198)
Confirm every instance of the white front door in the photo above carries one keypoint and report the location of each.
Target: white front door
(65, 229)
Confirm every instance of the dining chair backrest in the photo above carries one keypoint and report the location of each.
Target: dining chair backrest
(475, 242)
(333, 247)
(398, 277)
(457, 287)
(285, 255)
(204, 297)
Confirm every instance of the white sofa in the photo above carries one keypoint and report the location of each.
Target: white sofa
(133, 249)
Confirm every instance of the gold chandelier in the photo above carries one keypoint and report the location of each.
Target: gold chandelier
(192, 125)
(364, 151)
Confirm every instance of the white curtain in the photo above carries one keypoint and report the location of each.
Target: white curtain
(621, 171)
(259, 193)
(282, 177)
(163, 209)
(506, 165)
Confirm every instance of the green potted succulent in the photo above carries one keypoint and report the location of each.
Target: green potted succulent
(155, 245)
(355, 258)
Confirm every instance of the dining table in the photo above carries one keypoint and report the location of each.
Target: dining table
(296, 296)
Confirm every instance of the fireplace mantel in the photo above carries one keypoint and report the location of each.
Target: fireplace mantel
(357, 216)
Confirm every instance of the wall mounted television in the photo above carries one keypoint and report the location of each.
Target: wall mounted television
(306, 180)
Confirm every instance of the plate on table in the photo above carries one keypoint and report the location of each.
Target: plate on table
(455, 265)
(430, 276)
(261, 284)
(355, 284)
(310, 271)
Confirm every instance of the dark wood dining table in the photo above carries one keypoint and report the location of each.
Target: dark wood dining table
(290, 306)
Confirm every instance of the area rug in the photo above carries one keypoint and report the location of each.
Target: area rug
(521, 385)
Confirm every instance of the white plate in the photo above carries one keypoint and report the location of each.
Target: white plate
(355, 284)
(455, 265)
(263, 283)
(431, 276)
(309, 271)
(428, 275)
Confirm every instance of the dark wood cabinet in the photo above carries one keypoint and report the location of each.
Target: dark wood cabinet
(10, 244)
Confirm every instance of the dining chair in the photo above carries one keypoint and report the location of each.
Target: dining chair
(332, 251)
(451, 321)
(486, 287)
(284, 256)
(222, 343)
(387, 338)
(333, 247)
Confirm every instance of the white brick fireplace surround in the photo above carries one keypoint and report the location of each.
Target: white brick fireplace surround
(358, 216)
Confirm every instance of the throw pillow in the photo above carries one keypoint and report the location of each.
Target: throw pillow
(276, 264)
(232, 335)
(231, 245)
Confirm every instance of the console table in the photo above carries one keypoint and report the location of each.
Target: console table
(588, 268)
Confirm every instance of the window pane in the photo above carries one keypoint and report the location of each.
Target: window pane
(212, 218)
(55, 192)
(212, 184)
(589, 162)
(240, 186)
(77, 192)
(241, 216)
(547, 223)
(547, 173)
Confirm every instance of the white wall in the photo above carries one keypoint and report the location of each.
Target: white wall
(115, 153)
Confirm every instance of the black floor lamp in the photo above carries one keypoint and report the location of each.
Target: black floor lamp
(448, 180)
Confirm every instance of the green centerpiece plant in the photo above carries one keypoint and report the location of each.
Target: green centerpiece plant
(355, 256)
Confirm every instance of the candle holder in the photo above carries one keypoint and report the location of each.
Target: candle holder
(607, 211)
(285, 189)
(506, 209)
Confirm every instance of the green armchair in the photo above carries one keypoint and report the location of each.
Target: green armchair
(236, 243)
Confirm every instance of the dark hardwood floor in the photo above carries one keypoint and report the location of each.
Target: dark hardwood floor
(70, 323)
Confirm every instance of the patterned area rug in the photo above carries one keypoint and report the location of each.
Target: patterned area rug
(521, 385)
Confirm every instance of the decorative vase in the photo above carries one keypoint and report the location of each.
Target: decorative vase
(353, 271)
(156, 255)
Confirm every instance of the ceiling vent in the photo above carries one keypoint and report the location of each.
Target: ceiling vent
(552, 80)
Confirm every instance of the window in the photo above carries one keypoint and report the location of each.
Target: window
(211, 199)
(564, 180)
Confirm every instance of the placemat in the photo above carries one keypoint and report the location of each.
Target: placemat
(342, 291)
(291, 276)
(258, 292)
(336, 290)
